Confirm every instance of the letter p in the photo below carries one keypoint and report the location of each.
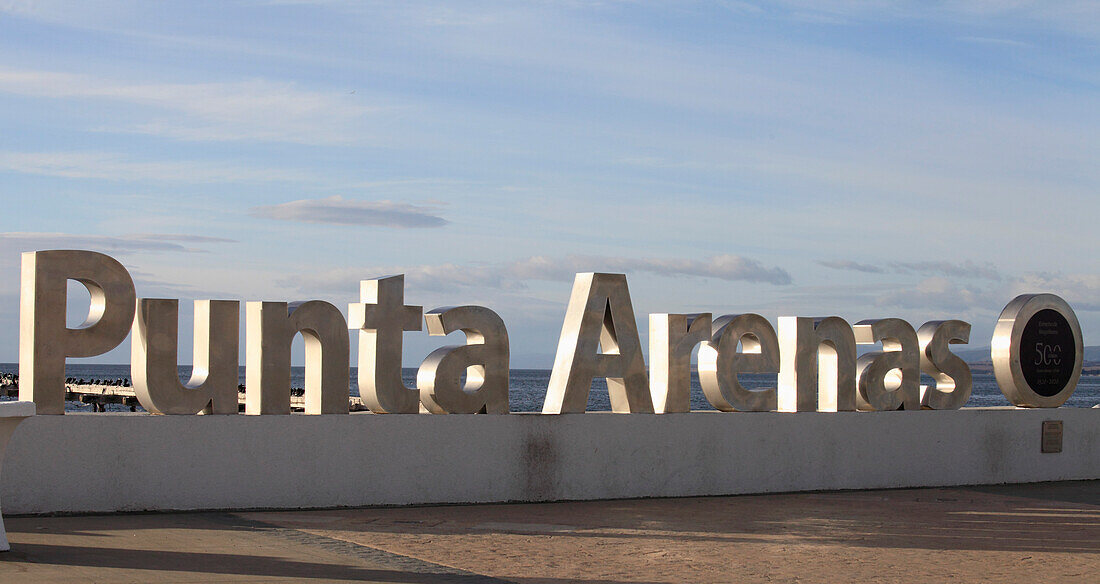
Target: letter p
(44, 339)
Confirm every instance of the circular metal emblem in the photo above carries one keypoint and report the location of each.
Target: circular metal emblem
(1037, 351)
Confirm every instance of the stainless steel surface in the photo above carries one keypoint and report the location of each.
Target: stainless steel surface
(382, 317)
(153, 361)
(44, 339)
(889, 379)
(1006, 350)
(484, 359)
(951, 374)
(270, 329)
(720, 362)
(671, 340)
(599, 315)
(817, 364)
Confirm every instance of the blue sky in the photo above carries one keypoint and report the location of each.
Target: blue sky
(863, 159)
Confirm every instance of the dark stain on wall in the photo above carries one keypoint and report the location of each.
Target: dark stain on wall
(541, 475)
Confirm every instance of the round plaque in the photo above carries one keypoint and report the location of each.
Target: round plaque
(1037, 351)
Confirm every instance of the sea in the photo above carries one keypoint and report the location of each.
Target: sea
(527, 387)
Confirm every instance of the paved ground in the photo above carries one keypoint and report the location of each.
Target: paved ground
(1046, 532)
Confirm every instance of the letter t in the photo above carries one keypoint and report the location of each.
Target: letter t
(382, 317)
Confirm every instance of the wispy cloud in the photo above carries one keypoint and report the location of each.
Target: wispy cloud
(256, 110)
(939, 293)
(963, 269)
(431, 278)
(514, 275)
(994, 41)
(341, 211)
(1081, 291)
(722, 267)
(851, 266)
(145, 242)
(120, 167)
(966, 269)
(1075, 16)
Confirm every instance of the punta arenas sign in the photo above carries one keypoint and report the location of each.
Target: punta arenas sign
(1037, 352)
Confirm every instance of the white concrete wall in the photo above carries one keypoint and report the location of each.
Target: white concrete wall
(113, 462)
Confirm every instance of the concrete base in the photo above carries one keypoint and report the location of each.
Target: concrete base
(131, 462)
(11, 413)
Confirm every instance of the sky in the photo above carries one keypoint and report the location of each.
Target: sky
(920, 160)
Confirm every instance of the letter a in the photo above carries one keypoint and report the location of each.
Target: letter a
(599, 315)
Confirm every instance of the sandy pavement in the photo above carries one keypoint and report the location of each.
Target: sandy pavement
(919, 535)
(1048, 532)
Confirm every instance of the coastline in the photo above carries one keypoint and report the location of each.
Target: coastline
(527, 388)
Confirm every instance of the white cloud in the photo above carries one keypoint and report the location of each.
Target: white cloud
(938, 293)
(120, 167)
(1081, 291)
(341, 211)
(255, 109)
(146, 242)
(513, 275)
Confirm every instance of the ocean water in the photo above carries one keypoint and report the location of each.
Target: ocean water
(527, 387)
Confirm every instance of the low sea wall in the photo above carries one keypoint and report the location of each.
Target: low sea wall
(132, 462)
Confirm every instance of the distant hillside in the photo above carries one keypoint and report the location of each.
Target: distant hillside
(981, 354)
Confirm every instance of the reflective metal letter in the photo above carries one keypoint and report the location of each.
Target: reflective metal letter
(271, 327)
(952, 374)
(45, 341)
(213, 384)
(381, 317)
(817, 364)
(671, 339)
(484, 359)
(888, 379)
(720, 362)
(599, 315)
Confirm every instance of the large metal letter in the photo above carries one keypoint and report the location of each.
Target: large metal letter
(213, 384)
(671, 339)
(45, 341)
(720, 362)
(484, 359)
(271, 327)
(952, 374)
(599, 315)
(817, 364)
(381, 317)
(878, 385)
